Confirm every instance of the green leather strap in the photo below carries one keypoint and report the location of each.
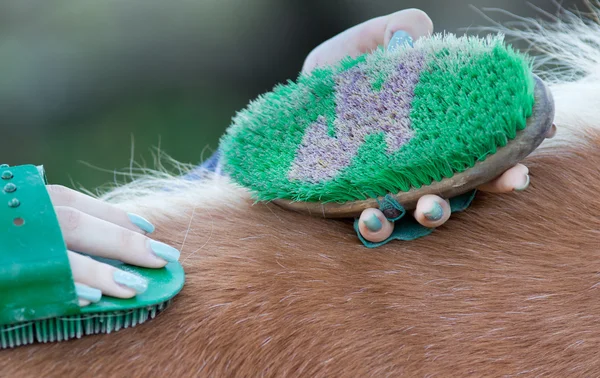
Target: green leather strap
(35, 277)
(407, 228)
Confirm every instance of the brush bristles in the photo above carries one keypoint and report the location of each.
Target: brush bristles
(384, 122)
(75, 326)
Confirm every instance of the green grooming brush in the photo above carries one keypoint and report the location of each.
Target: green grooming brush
(38, 302)
(385, 128)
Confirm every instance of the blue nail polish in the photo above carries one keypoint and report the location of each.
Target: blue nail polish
(373, 223)
(436, 213)
(142, 223)
(164, 251)
(400, 39)
(88, 293)
(520, 189)
(131, 281)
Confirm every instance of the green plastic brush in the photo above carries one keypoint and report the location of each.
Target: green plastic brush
(383, 129)
(38, 302)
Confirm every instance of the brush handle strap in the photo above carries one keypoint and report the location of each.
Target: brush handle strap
(407, 228)
(35, 277)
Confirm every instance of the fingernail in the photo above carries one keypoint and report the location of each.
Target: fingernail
(373, 223)
(132, 281)
(142, 223)
(524, 186)
(165, 252)
(435, 213)
(88, 293)
(400, 39)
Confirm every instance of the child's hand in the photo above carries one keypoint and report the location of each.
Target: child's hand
(391, 31)
(99, 229)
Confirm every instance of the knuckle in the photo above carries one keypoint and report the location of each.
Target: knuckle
(68, 217)
(95, 277)
(91, 271)
(83, 269)
(418, 13)
(99, 272)
(414, 21)
(420, 16)
(128, 239)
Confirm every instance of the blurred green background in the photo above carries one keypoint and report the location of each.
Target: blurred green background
(83, 81)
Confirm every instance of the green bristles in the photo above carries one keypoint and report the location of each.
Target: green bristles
(76, 326)
(385, 122)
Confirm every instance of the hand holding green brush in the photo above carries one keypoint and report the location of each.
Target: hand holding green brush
(49, 292)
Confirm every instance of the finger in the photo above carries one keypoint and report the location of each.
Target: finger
(552, 132)
(373, 226)
(97, 237)
(432, 211)
(516, 178)
(368, 36)
(63, 196)
(83, 303)
(106, 278)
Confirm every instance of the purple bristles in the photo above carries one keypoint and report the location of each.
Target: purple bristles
(360, 111)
